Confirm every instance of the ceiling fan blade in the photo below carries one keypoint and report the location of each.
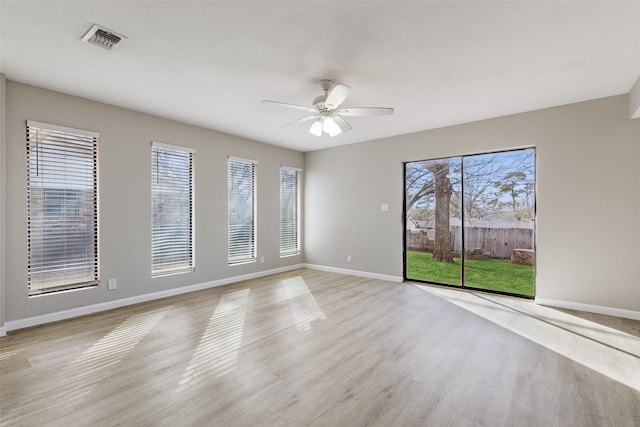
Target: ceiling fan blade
(301, 121)
(344, 126)
(337, 95)
(285, 104)
(365, 111)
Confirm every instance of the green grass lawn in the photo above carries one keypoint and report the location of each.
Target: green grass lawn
(493, 274)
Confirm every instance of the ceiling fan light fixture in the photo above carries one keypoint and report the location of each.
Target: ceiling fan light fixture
(316, 128)
(331, 127)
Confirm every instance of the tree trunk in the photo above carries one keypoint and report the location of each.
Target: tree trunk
(443, 242)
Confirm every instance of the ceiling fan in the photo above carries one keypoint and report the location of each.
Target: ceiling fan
(328, 111)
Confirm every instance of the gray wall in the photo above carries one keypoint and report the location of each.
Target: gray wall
(125, 199)
(587, 197)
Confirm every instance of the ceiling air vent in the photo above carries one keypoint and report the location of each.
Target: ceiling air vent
(103, 37)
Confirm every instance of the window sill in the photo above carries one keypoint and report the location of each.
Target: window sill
(231, 264)
(171, 273)
(290, 255)
(64, 291)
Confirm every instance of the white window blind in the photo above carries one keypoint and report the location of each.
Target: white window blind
(62, 208)
(172, 209)
(242, 210)
(289, 211)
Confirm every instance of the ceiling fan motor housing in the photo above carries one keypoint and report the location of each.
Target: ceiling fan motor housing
(319, 102)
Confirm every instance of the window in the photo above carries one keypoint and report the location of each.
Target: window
(172, 209)
(289, 211)
(62, 208)
(61, 202)
(242, 210)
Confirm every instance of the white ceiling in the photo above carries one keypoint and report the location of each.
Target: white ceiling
(210, 63)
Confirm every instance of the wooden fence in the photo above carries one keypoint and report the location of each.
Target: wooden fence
(494, 242)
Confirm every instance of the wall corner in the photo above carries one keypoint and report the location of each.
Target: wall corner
(3, 199)
(634, 100)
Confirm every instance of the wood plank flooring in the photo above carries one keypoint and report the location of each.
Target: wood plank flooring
(301, 348)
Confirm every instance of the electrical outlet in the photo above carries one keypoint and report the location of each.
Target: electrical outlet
(113, 284)
(261, 260)
(348, 257)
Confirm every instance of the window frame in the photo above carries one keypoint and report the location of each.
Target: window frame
(464, 252)
(296, 248)
(250, 255)
(61, 160)
(183, 257)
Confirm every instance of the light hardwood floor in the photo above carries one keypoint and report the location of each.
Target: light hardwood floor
(315, 348)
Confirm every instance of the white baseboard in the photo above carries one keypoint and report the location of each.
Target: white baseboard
(359, 273)
(609, 311)
(3, 331)
(95, 308)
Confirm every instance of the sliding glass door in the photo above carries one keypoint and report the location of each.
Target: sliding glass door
(469, 221)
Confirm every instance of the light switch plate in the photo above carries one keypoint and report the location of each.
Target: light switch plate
(384, 207)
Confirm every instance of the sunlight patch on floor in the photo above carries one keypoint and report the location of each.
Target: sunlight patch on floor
(217, 351)
(90, 367)
(304, 307)
(7, 354)
(606, 350)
